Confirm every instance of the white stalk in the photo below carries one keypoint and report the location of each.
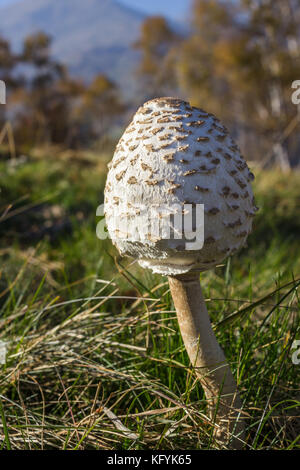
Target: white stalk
(208, 360)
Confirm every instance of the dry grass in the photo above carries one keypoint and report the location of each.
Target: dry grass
(94, 356)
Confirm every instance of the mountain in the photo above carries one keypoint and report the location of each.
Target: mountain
(89, 36)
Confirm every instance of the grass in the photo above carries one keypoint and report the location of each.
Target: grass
(94, 356)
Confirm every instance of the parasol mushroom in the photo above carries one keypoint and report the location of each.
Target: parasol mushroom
(172, 159)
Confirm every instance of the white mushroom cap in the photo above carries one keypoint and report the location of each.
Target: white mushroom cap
(171, 155)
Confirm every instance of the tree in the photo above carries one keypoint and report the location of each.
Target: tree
(7, 61)
(240, 62)
(49, 106)
(158, 55)
(100, 108)
(48, 96)
(274, 29)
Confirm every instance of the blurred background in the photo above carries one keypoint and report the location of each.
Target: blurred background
(70, 307)
(75, 72)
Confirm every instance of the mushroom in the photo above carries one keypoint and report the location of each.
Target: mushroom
(172, 159)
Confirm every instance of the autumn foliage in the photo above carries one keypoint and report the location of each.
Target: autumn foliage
(47, 105)
(238, 60)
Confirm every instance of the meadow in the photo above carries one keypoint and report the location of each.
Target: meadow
(94, 356)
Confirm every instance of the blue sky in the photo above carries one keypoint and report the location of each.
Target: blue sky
(174, 9)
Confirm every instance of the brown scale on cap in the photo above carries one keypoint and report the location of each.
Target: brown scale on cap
(152, 182)
(169, 157)
(183, 148)
(117, 162)
(213, 211)
(132, 148)
(181, 137)
(241, 234)
(180, 141)
(241, 183)
(120, 175)
(142, 137)
(146, 121)
(144, 111)
(171, 190)
(226, 191)
(163, 120)
(156, 130)
(177, 118)
(164, 137)
(241, 165)
(190, 172)
(146, 167)
(175, 185)
(134, 159)
(132, 180)
(204, 170)
(195, 123)
(233, 207)
(201, 189)
(186, 132)
(236, 223)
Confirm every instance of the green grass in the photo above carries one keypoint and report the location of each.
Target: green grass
(94, 355)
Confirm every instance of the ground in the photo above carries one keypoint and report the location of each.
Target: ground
(94, 357)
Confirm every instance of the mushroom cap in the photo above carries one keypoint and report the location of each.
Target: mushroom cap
(171, 158)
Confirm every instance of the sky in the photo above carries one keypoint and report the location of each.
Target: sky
(173, 9)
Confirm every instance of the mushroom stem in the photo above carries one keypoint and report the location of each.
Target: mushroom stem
(208, 360)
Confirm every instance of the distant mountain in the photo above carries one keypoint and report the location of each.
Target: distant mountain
(89, 36)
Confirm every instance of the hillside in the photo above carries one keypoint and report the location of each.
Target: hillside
(90, 37)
